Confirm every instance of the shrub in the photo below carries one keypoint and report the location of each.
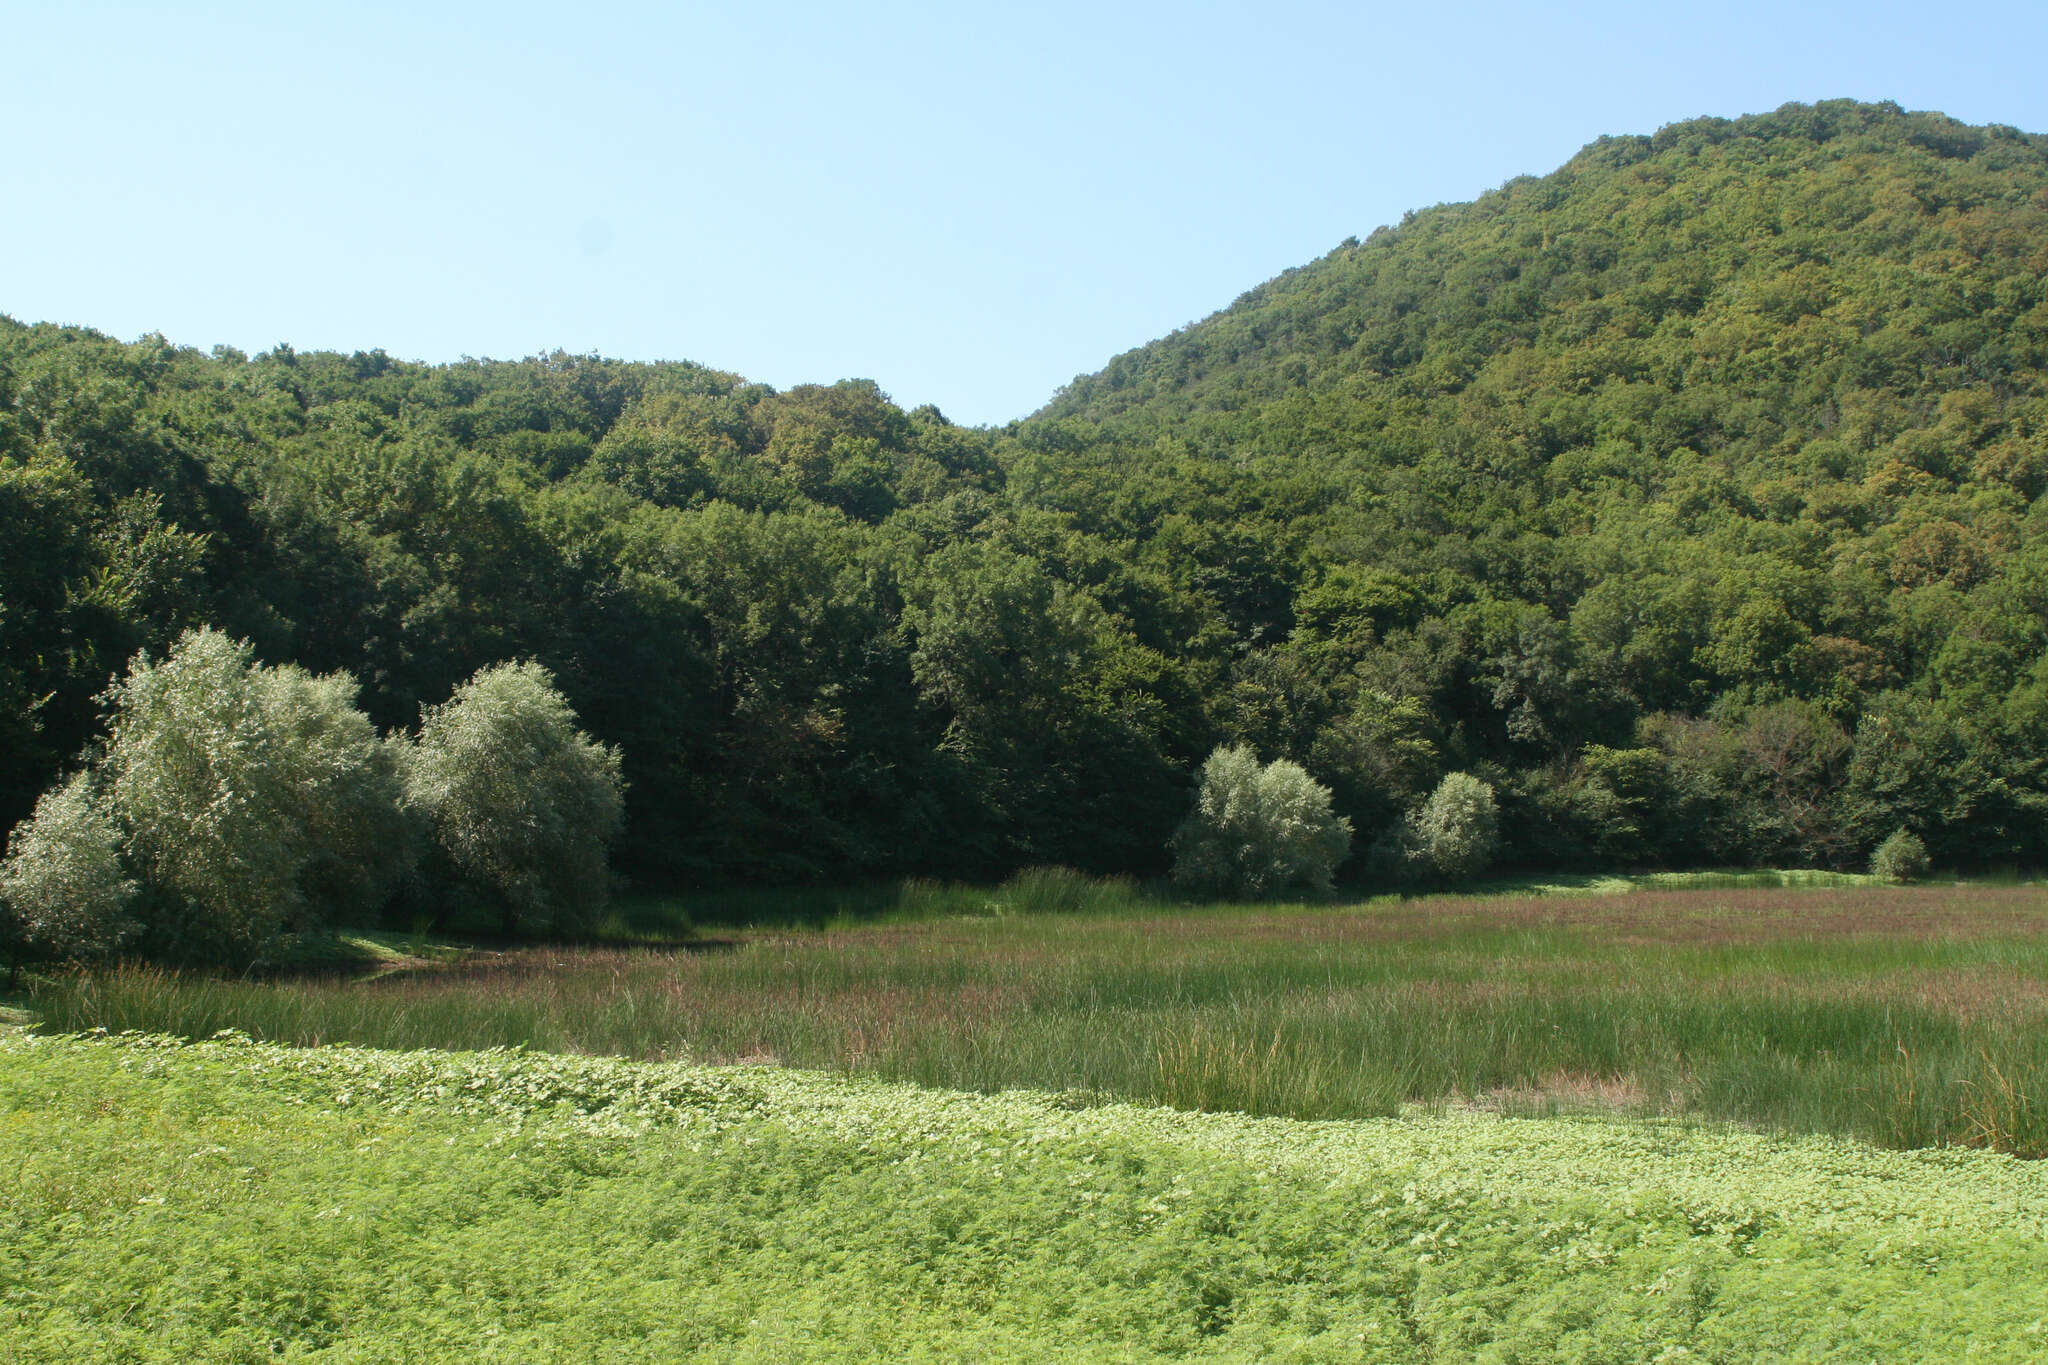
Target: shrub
(63, 879)
(1257, 831)
(1900, 858)
(521, 804)
(1395, 858)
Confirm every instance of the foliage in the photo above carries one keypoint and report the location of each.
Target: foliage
(523, 804)
(1902, 857)
(1692, 493)
(1258, 830)
(228, 1201)
(63, 879)
(1594, 454)
(253, 800)
(1455, 833)
(1457, 830)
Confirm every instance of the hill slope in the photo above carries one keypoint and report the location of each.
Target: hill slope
(1842, 245)
(1742, 416)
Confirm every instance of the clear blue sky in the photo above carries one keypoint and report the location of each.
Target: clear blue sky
(967, 203)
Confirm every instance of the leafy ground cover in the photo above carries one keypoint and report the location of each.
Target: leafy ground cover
(232, 1201)
(1906, 1016)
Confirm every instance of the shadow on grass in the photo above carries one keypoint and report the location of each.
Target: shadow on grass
(650, 918)
(14, 1011)
(373, 956)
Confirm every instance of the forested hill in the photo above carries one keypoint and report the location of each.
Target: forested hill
(1687, 496)
(1812, 250)
(1726, 440)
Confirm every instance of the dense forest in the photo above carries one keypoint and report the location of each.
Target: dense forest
(1690, 496)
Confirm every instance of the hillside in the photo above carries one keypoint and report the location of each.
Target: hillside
(1740, 422)
(1897, 249)
(1687, 495)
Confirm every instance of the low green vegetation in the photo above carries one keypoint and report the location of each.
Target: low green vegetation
(233, 1202)
(1907, 1016)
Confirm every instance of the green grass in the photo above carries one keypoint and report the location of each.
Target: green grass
(1905, 1016)
(1616, 883)
(365, 952)
(230, 1202)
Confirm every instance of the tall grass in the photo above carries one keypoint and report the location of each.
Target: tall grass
(1910, 1016)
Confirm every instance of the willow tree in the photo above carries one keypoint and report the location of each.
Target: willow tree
(253, 800)
(1258, 830)
(64, 892)
(522, 805)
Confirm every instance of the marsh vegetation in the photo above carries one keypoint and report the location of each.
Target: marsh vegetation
(1907, 1016)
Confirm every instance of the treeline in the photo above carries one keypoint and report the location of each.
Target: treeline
(1687, 498)
(810, 621)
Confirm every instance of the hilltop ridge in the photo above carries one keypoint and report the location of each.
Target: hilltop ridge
(1665, 224)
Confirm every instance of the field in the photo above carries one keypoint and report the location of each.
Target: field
(231, 1201)
(1907, 1017)
(1526, 1127)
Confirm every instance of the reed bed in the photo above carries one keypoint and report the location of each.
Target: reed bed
(1911, 1017)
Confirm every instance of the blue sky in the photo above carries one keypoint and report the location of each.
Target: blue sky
(968, 204)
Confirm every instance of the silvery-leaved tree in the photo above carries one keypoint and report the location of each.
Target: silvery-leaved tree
(64, 893)
(521, 803)
(253, 800)
(1258, 830)
(1457, 831)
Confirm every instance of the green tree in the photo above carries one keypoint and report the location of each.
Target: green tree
(522, 804)
(1258, 830)
(63, 880)
(1642, 453)
(1619, 800)
(254, 801)
(1457, 831)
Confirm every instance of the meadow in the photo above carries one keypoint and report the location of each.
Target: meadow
(1908, 1017)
